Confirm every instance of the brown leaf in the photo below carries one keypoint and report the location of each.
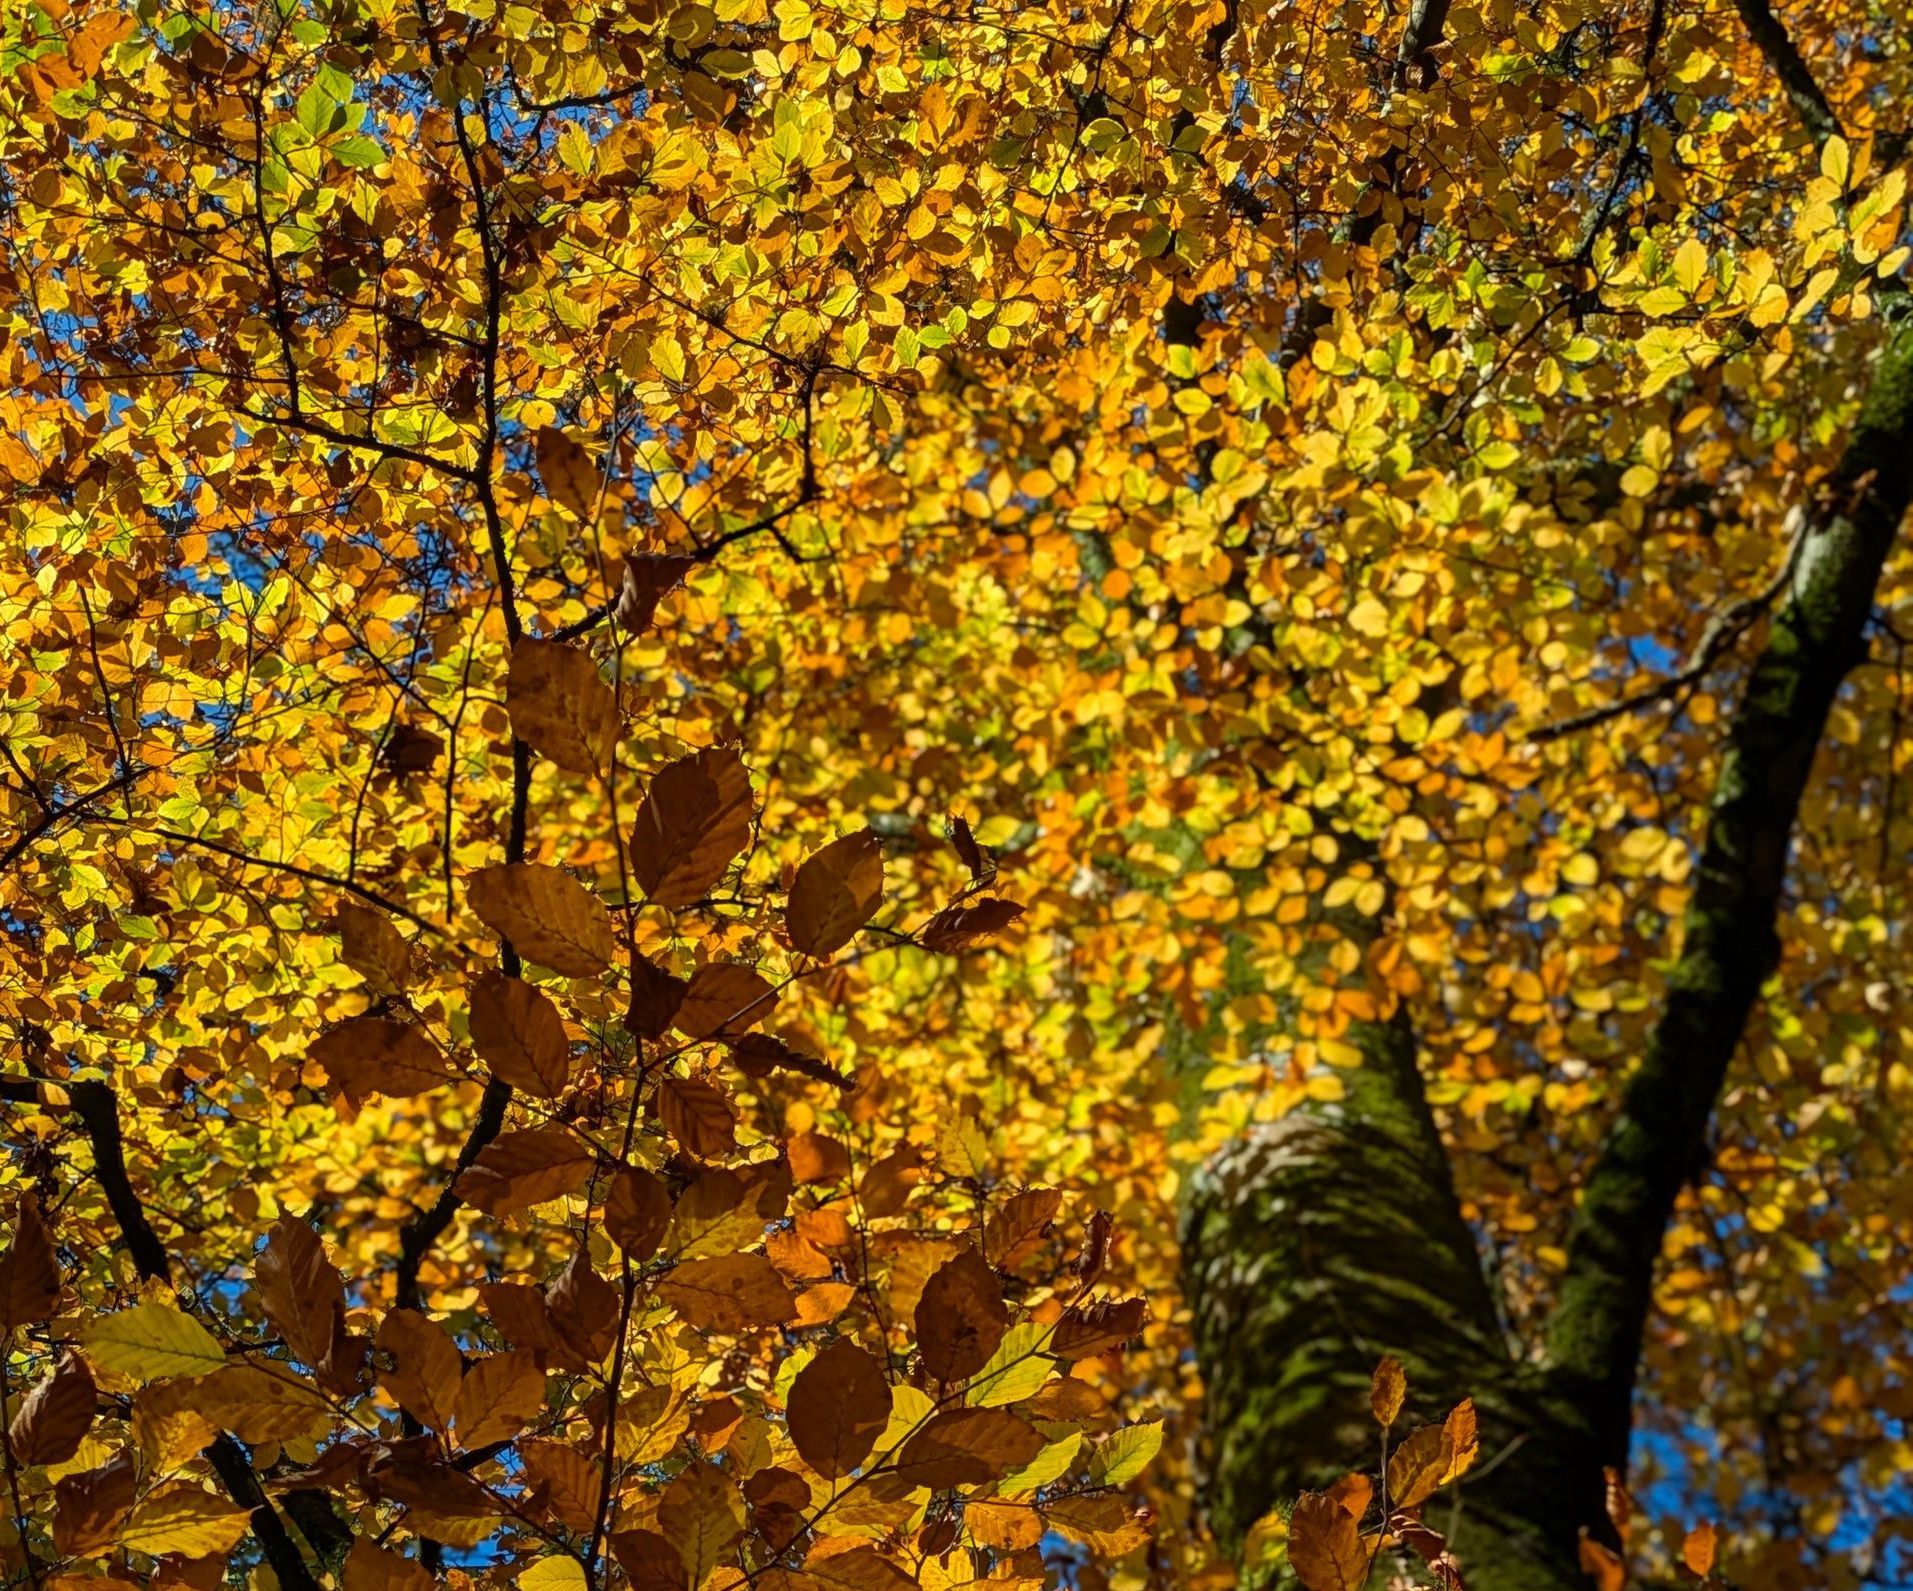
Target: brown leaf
(835, 893)
(301, 1290)
(88, 1508)
(526, 1167)
(372, 946)
(858, 1569)
(1015, 1230)
(702, 1514)
(411, 1473)
(55, 1416)
(568, 472)
(960, 1318)
(758, 1054)
(546, 915)
(1326, 1548)
(725, 999)
(520, 1035)
(971, 854)
(1416, 1467)
(1102, 1523)
(561, 705)
(565, 1481)
(1431, 1547)
(519, 1312)
(372, 1055)
(29, 1271)
(968, 1447)
(637, 1212)
(409, 749)
(1091, 1329)
(734, 1292)
(647, 578)
(697, 1113)
(426, 1367)
(962, 925)
(839, 1405)
(497, 1399)
(655, 998)
(779, 1500)
(692, 823)
(369, 1567)
(584, 1308)
(649, 1561)
(1386, 1390)
(885, 1188)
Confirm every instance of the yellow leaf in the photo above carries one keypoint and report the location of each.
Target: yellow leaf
(553, 1574)
(1368, 617)
(1387, 1389)
(150, 1342)
(1691, 262)
(1835, 161)
(182, 1517)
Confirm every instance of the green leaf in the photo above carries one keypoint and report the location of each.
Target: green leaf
(1126, 1454)
(1016, 1370)
(358, 150)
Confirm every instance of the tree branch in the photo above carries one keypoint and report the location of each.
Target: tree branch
(97, 1107)
(1776, 44)
(1723, 630)
(1729, 943)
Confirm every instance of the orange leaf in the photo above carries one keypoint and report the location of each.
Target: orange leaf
(1386, 1392)
(1326, 1547)
(1699, 1549)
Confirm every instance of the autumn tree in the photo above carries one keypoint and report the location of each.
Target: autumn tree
(712, 707)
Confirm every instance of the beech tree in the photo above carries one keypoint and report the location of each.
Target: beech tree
(878, 794)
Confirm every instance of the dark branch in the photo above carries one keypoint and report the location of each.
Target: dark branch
(97, 1107)
(1723, 630)
(1776, 44)
(1729, 943)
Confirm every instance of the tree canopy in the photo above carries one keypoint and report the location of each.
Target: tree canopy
(699, 696)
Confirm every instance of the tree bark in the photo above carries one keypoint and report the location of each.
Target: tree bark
(1316, 1245)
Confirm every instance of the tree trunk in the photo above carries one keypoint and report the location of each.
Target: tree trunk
(1314, 1246)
